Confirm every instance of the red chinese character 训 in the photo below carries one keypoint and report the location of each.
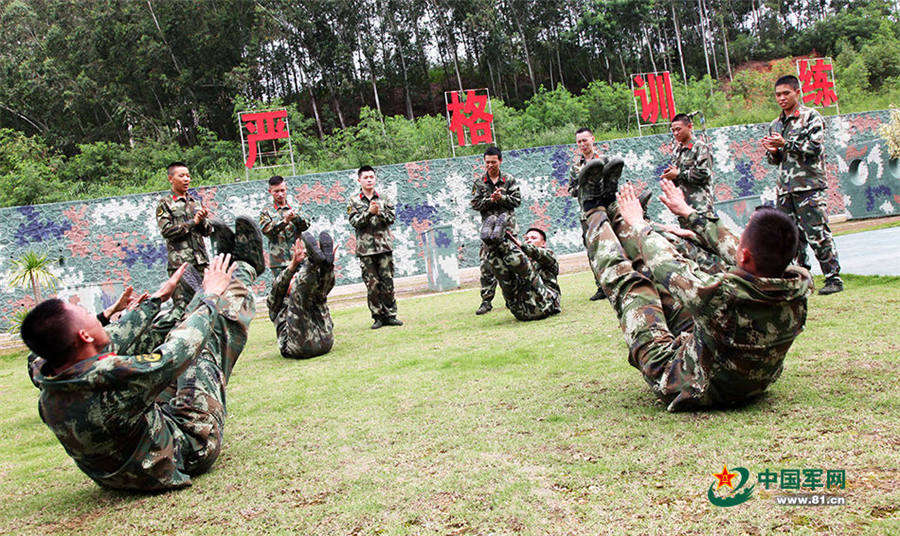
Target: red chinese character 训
(471, 114)
(816, 85)
(660, 101)
(263, 126)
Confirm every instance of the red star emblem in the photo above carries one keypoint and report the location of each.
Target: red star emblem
(724, 477)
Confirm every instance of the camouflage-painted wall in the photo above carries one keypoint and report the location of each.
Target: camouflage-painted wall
(100, 245)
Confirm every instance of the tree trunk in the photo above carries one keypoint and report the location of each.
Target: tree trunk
(649, 50)
(725, 42)
(36, 289)
(527, 55)
(705, 49)
(678, 40)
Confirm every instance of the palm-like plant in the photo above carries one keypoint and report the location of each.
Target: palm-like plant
(33, 268)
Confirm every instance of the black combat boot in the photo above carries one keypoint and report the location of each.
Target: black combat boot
(222, 237)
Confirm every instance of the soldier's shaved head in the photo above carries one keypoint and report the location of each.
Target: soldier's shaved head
(772, 238)
(170, 169)
(49, 331)
(788, 80)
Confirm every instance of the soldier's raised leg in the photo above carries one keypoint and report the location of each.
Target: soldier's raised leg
(599, 294)
(310, 331)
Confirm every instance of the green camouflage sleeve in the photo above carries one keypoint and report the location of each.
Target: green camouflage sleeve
(682, 277)
(205, 227)
(271, 225)
(301, 224)
(573, 177)
(359, 219)
(513, 197)
(699, 173)
(132, 325)
(774, 157)
(386, 214)
(279, 290)
(543, 256)
(480, 196)
(713, 235)
(811, 140)
(169, 228)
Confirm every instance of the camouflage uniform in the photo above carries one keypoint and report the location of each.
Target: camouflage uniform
(574, 192)
(742, 325)
(527, 280)
(373, 247)
(694, 164)
(482, 189)
(304, 323)
(184, 243)
(112, 412)
(281, 235)
(801, 184)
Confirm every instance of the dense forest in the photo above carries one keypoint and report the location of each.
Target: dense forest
(97, 95)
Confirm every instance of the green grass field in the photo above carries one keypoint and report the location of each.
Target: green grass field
(457, 424)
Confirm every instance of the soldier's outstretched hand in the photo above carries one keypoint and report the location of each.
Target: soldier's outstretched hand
(629, 206)
(168, 287)
(217, 276)
(673, 198)
(298, 253)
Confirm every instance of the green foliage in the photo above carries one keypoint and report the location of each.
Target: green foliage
(33, 270)
(891, 133)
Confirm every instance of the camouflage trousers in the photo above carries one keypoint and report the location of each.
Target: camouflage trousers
(488, 281)
(808, 210)
(584, 228)
(194, 407)
(378, 274)
(526, 295)
(657, 329)
(304, 325)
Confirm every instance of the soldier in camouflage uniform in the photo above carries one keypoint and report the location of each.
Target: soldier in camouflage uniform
(304, 323)
(584, 139)
(183, 223)
(281, 225)
(535, 248)
(527, 280)
(492, 194)
(742, 322)
(372, 215)
(133, 413)
(796, 144)
(691, 166)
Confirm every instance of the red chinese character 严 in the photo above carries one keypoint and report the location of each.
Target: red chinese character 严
(660, 101)
(471, 114)
(816, 86)
(263, 126)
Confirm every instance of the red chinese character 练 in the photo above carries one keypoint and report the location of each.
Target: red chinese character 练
(660, 101)
(263, 126)
(471, 114)
(816, 86)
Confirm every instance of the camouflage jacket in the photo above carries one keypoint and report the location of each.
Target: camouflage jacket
(373, 231)
(575, 169)
(312, 318)
(104, 409)
(281, 235)
(801, 162)
(743, 324)
(184, 240)
(510, 198)
(546, 264)
(694, 165)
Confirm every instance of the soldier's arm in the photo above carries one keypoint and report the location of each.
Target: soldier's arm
(132, 325)
(682, 277)
(279, 290)
(359, 219)
(169, 228)
(573, 181)
(386, 214)
(269, 225)
(810, 142)
(699, 173)
(205, 228)
(481, 197)
(713, 235)
(512, 197)
(301, 224)
(543, 256)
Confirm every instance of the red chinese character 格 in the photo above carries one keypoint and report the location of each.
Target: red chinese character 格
(263, 126)
(471, 114)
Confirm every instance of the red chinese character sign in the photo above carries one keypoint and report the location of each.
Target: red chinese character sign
(265, 126)
(470, 119)
(654, 92)
(817, 82)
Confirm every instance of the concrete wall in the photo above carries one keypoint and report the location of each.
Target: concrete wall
(100, 245)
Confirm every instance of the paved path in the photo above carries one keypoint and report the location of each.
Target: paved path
(867, 253)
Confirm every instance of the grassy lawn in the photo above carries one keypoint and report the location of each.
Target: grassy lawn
(457, 424)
